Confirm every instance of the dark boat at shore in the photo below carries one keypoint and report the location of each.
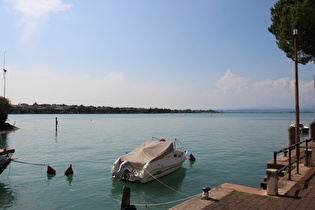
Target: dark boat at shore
(5, 158)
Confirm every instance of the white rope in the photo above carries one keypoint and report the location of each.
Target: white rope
(117, 201)
(103, 194)
(166, 184)
(169, 202)
(159, 204)
(36, 164)
(142, 205)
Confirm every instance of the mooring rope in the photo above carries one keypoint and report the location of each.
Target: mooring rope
(100, 192)
(142, 205)
(166, 184)
(76, 172)
(169, 202)
(36, 164)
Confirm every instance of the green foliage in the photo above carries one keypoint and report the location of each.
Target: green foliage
(5, 107)
(287, 15)
(286, 170)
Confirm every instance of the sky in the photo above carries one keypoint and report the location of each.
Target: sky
(177, 54)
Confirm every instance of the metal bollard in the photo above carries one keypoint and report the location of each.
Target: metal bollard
(205, 194)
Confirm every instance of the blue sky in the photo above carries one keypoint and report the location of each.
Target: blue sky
(179, 54)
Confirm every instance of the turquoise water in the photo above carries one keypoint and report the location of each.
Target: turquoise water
(229, 148)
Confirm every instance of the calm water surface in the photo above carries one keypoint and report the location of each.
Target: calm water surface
(229, 148)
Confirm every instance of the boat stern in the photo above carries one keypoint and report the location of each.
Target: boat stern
(123, 172)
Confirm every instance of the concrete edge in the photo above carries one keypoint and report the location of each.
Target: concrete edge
(216, 194)
(302, 183)
(244, 189)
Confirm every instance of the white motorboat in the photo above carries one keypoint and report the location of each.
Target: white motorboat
(5, 158)
(151, 160)
(303, 128)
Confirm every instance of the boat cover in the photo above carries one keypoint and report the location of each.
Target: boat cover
(146, 152)
(6, 153)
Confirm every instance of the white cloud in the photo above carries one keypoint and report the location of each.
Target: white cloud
(229, 82)
(262, 85)
(33, 12)
(237, 92)
(308, 90)
(281, 83)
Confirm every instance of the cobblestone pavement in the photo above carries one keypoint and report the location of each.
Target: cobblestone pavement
(305, 199)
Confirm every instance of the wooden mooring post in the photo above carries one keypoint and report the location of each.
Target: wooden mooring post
(125, 200)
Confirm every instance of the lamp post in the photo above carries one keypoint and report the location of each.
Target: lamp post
(4, 71)
(297, 109)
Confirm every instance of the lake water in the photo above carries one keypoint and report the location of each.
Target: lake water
(229, 148)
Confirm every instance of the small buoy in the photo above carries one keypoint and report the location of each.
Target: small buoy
(69, 170)
(162, 140)
(191, 157)
(51, 170)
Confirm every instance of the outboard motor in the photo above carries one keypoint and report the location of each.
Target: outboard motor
(123, 170)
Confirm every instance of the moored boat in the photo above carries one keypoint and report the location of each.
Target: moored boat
(149, 161)
(302, 128)
(5, 158)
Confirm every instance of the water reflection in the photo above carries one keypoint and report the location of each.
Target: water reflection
(69, 179)
(50, 176)
(152, 192)
(191, 163)
(7, 196)
(3, 140)
(56, 135)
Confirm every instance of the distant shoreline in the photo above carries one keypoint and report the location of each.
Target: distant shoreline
(81, 109)
(75, 109)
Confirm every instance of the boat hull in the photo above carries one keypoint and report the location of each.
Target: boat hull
(4, 164)
(158, 173)
(5, 158)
